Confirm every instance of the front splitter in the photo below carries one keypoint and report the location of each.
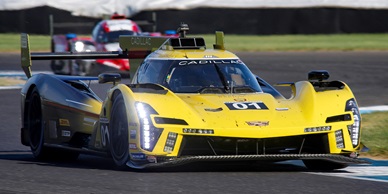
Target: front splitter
(167, 162)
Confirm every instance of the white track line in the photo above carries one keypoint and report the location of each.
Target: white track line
(370, 173)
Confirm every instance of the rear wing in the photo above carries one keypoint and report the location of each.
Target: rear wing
(133, 47)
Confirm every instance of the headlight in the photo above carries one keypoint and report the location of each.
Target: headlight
(317, 129)
(149, 134)
(354, 129)
(79, 46)
(339, 139)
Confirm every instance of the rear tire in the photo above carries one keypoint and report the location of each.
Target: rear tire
(323, 165)
(118, 132)
(58, 67)
(35, 126)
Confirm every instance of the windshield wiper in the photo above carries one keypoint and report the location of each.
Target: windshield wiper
(223, 78)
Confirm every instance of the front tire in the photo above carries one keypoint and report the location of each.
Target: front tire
(118, 133)
(323, 165)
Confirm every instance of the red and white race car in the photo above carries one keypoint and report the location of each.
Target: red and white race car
(105, 37)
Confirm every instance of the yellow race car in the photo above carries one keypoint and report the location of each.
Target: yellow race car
(187, 103)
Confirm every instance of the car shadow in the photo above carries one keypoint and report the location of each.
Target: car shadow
(25, 157)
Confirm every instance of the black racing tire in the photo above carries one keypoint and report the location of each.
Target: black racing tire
(58, 66)
(85, 67)
(323, 165)
(35, 126)
(118, 132)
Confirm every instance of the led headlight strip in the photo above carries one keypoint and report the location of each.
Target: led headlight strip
(339, 139)
(354, 129)
(170, 142)
(149, 134)
(198, 131)
(317, 129)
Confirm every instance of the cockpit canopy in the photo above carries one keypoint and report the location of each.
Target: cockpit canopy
(199, 75)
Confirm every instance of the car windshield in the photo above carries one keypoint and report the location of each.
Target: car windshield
(200, 76)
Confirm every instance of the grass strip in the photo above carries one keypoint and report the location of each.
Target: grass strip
(333, 42)
(375, 134)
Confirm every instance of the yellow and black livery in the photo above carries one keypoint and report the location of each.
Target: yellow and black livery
(187, 103)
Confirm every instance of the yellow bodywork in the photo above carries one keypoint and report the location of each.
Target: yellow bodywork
(284, 117)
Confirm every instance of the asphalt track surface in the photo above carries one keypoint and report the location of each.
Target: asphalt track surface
(365, 72)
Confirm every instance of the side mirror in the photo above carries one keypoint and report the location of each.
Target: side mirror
(319, 75)
(114, 78)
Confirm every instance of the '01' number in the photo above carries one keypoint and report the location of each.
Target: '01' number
(246, 105)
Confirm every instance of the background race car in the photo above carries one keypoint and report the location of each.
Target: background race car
(105, 37)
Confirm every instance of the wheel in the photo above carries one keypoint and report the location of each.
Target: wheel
(85, 67)
(35, 126)
(118, 132)
(58, 67)
(323, 165)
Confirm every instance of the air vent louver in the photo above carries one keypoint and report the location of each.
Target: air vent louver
(187, 43)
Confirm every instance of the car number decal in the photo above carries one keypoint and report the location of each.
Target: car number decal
(246, 106)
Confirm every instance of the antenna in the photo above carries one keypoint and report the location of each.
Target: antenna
(182, 30)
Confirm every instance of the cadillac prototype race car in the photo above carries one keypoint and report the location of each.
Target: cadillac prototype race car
(187, 103)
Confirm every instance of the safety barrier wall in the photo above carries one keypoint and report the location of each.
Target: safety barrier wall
(208, 20)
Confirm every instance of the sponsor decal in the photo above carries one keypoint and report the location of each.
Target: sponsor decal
(66, 133)
(138, 156)
(142, 41)
(246, 106)
(24, 42)
(132, 134)
(64, 122)
(132, 146)
(258, 123)
(203, 62)
(104, 120)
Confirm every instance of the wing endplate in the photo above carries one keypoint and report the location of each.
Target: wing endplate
(220, 43)
(25, 54)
